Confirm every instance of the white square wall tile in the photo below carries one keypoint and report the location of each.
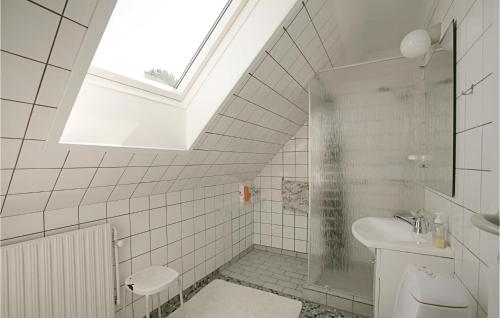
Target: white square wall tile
(132, 175)
(484, 283)
(154, 174)
(33, 180)
(80, 11)
(159, 257)
(140, 244)
(174, 232)
(83, 159)
(14, 226)
(25, 203)
(174, 251)
(473, 140)
(9, 150)
(116, 159)
(158, 237)
(471, 233)
(472, 190)
(139, 204)
(490, 147)
(121, 192)
(5, 176)
(142, 159)
(65, 199)
(34, 155)
(53, 86)
(107, 176)
(60, 218)
(92, 212)
(144, 188)
(470, 271)
(31, 36)
(40, 122)
(14, 118)
(97, 195)
(156, 201)
(74, 178)
(20, 77)
(139, 222)
(68, 41)
(158, 217)
(489, 192)
(54, 5)
(488, 248)
(118, 208)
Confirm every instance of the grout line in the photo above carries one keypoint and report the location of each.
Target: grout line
(142, 178)
(317, 33)
(56, 13)
(282, 96)
(281, 116)
(269, 128)
(244, 138)
(51, 192)
(298, 48)
(34, 60)
(286, 71)
(125, 169)
(92, 179)
(475, 127)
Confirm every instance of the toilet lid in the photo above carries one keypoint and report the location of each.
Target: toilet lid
(438, 289)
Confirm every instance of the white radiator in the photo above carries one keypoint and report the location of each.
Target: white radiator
(65, 275)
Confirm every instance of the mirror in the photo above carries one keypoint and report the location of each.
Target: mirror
(440, 89)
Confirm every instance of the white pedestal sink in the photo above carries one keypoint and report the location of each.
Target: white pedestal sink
(393, 234)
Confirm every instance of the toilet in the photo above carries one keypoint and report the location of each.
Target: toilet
(425, 294)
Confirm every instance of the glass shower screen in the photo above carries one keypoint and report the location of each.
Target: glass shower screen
(365, 122)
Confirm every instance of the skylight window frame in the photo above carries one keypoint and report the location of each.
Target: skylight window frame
(195, 66)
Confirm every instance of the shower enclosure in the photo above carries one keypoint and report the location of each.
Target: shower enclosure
(365, 122)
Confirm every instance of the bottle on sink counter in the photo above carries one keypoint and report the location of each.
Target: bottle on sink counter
(438, 232)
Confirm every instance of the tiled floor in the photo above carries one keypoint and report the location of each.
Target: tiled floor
(285, 274)
(271, 272)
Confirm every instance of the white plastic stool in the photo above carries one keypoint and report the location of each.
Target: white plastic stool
(153, 280)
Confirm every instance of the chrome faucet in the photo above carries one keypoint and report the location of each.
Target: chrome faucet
(417, 222)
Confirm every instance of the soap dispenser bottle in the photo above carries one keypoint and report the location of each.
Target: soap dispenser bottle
(438, 233)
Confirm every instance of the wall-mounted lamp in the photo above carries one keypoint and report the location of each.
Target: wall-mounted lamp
(415, 44)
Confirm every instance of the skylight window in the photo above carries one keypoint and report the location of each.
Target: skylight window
(156, 41)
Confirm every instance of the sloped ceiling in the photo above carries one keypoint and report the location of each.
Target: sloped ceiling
(40, 40)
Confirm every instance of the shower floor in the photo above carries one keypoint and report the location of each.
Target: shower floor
(357, 281)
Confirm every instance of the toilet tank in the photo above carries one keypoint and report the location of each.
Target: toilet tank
(425, 294)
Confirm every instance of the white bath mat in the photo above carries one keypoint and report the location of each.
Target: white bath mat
(221, 299)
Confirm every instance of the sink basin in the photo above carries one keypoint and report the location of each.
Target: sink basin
(393, 234)
(486, 222)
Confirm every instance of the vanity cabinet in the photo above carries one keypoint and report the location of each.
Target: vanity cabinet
(389, 268)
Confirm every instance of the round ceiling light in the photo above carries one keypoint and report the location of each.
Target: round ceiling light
(415, 44)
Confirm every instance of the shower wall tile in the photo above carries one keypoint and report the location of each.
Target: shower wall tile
(273, 225)
(477, 146)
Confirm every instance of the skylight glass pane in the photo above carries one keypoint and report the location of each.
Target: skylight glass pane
(154, 41)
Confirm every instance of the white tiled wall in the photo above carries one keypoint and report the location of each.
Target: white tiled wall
(273, 226)
(477, 145)
(148, 196)
(192, 231)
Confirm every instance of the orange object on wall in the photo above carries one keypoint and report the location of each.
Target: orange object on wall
(246, 194)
